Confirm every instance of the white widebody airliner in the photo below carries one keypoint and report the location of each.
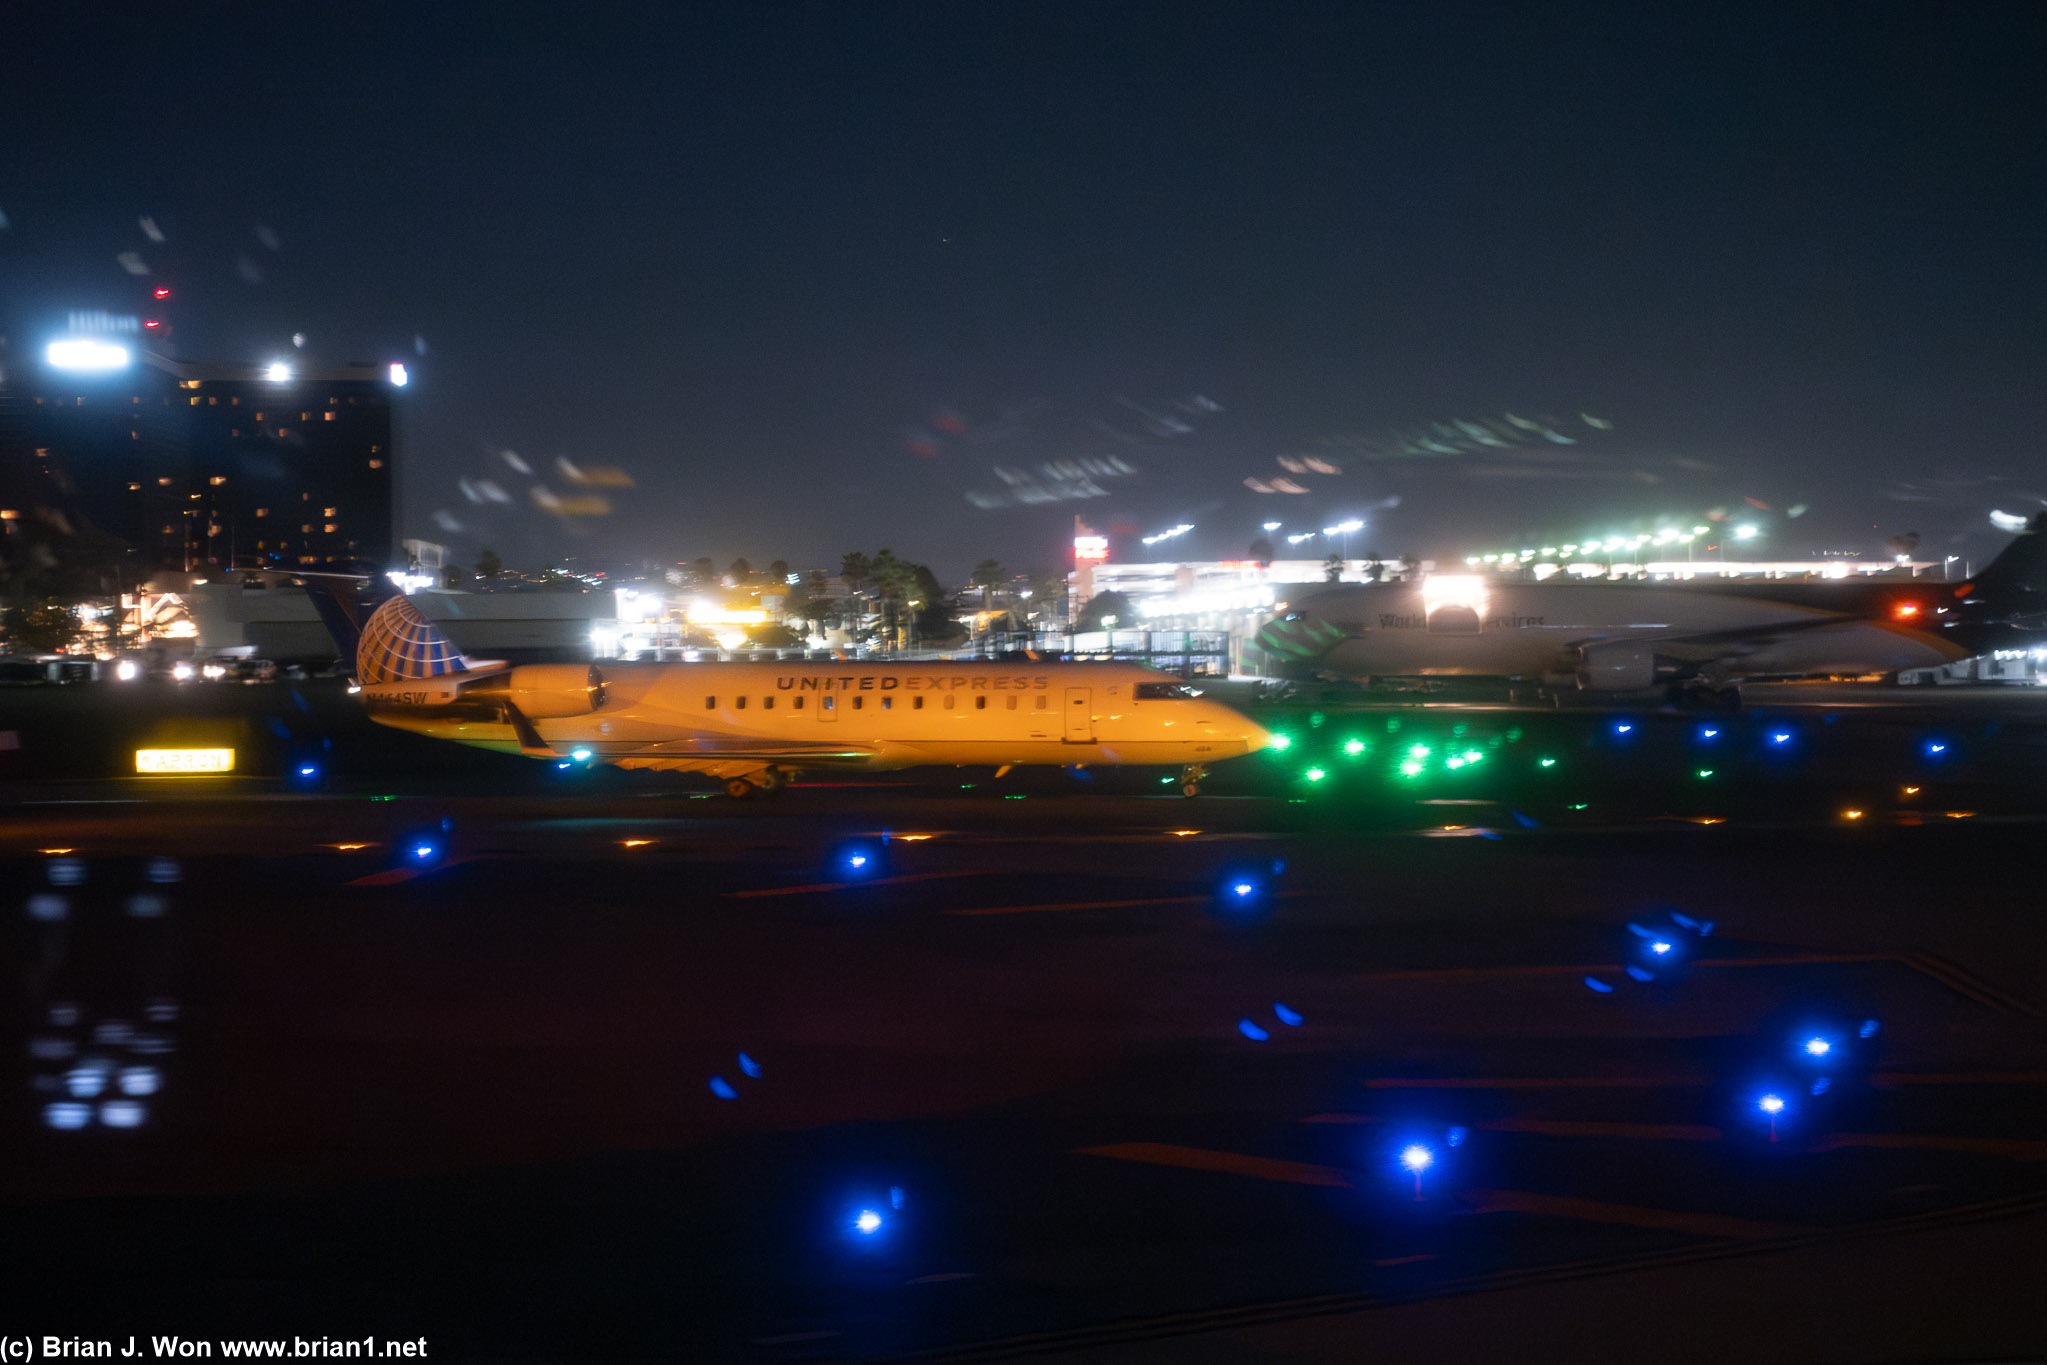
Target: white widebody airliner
(752, 725)
(1616, 638)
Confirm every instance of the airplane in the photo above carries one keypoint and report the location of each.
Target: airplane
(754, 725)
(1697, 643)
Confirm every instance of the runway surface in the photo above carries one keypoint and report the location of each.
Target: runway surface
(614, 1071)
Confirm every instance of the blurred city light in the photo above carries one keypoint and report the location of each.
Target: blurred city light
(86, 353)
(278, 372)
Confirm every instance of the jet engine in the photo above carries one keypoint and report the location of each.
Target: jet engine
(545, 691)
(1617, 667)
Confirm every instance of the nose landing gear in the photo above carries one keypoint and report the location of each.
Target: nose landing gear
(1190, 779)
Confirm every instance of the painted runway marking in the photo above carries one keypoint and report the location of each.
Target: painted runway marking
(2018, 1149)
(1591, 1211)
(391, 876)
(1229, 1163)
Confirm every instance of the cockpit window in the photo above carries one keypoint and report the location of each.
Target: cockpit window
(1166, 692)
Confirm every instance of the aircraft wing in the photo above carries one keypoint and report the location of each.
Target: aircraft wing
(717, 748)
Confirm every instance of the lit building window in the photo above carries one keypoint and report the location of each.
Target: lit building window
(306, 530)
(328, 416)
(262, 511)
(259, 416)
(376, 464)
(193, 401)
(217, 480)
(305, 417)
(163, 483)
(331, 512)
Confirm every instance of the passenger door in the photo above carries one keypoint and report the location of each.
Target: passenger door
(1080, 715)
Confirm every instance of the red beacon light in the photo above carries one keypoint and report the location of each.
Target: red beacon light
(160, 293)
(1907, 611)
(151, 324)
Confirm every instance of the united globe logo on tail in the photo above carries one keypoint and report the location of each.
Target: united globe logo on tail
(399, 644)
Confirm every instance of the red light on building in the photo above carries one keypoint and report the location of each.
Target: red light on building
(160, 293)
(151, 324)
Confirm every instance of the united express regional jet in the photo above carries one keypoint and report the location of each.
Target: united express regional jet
(753, 725)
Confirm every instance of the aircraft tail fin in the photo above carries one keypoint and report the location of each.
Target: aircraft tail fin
(383, 634)
(398, 644)
(2015, 583)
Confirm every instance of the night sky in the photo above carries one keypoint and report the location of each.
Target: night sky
(832, 276)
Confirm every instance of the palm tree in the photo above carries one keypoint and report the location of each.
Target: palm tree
(893, 579)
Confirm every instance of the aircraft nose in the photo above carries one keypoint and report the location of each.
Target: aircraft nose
(1255, 737)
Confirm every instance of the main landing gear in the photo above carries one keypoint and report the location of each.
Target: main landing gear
(766, 780)
(1190, 779)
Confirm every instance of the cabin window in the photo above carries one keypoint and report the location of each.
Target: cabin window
(796, 702)
(948, 701)
(859, 702)
(767, 703)
(1012, 703)
(980, 703)
(1041, 701)
(888, 703)
(739, 702)
(710, 703)
(829, 703)
(916, 703)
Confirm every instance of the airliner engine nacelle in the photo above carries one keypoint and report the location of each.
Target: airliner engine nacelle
(546, 691)
(1617, 667)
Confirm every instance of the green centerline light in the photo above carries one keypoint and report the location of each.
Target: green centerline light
(1281, 743)
(1315, 774)
(1705, 772)
(1354, 747)
(1548, 763)
(1411, 767)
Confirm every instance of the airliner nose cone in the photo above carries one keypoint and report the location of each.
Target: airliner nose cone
(1255, 737)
